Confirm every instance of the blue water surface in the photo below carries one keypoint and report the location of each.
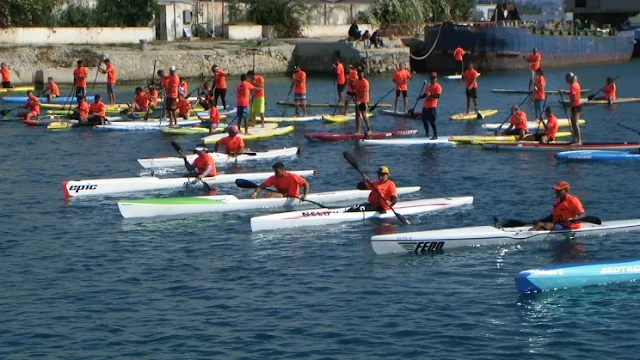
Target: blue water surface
(77, 281)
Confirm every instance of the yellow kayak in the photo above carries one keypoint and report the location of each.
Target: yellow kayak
(257, 132)
(533, 124)
(17, 89)
(342, 118)
(480, 139)
(472, 115)
(203, 130)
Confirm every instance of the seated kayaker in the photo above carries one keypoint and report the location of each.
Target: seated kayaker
(205, 97)
(385, 186)
(518, 123)
(183, 106)
(152, 93)
(566, 214)
(140, 100)
(214, 117)
(97, 112)
(32, 105)
(287, 184)
(81, 113)
(609, 91)
(203, 165)
(233, 144)
(550, 128)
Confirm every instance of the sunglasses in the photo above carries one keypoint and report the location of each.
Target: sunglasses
(382, 174)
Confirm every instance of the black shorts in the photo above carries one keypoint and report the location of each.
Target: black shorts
(512, 132)
(340, 88)
(81, 91)
(538, 137)
(429, 115)
(95, 120)
(351, 97)
(458, 64)
(472, 93)
(220, 93)
(403, 92)
(6, 84)
(170, 103)
(362, 107)
(576, 109)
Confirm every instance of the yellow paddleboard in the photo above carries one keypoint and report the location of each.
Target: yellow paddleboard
(254, 133)
(17, 89)
(480, 139)
(472, 115)
(58, 125)
(342, 118)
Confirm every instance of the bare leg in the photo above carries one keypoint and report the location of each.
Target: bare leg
(395, 105)
(575, 127)
(304, 107)
(366, 121)
(262, 119)
(475, 104)
(405, 104)
(357, 122)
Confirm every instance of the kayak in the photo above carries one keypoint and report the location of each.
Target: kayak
(16, 89)
(209, 204)
(473, 116)
(58, 100)
(276, 119)
(481, 139)
(416, 114)
(605, 102)
(421, 242)
(254, 133)
(219, 158)
(64, 123)
(94, 187)
(153, 124)
(558, 146)
(567, 276)
(342, 118)
(512, 91)
(328, 216)
(345, 137)
(456, 77)
(287, 103)
(195, 130)
(532, 124)
(444, 142)
(597, 155)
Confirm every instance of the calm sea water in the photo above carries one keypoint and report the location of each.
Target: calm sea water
(77, 281)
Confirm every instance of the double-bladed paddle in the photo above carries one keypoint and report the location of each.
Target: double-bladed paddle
(496, 130)
(590, 97)
(517, 223)
(354, 164)
(246, 184)
(190, 168)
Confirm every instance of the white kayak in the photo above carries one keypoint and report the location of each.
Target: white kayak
(443, 142)
(210, 204)
(76, 188)
(141, 125)
(219, 158)
(531, 124)
(422, 242)
(279, 119)
(334, 216)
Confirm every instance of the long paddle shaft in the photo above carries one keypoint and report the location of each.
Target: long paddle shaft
(495, 132)
(190, 168)
(516, 223)
(590, 97)
(413, 109)
(246, 184)
(628, 128)
(382, 98)
(153, 78)
(541, 115)
(564, 107)
(354, 164)
(93, 86)
(285, 105)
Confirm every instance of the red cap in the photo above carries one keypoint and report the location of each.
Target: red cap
(562, 185)
(434, 74)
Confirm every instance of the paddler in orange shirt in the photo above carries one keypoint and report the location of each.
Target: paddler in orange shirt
(203, 165)
(219, 86)
(97, 111)
(431, 96)
(300, 90)
(566, 214)
(352, 76)
(539, 94)
(233, 144)
(6, 76)
(171, 99)
(550, 128)
(184, 107)
(81, 113)
(470, 77)
(52, 90)
(33, 105)
(576, 105)
(341, 80)
(458, 53)
(80, 75)
(258, 105)
(214, 117)
(400, 78)
(287, 184)
(386, 187)
(609, 91)
(140, 100)
(518, 123)
(362, 100)
(152, 95)
(183, 88)
(534, 60)
(110, 70)
(242, 101)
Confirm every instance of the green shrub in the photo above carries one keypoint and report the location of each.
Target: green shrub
(286, 16)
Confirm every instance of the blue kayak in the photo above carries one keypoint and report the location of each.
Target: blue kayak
(597, 155)
(556, 277)
(58, 100)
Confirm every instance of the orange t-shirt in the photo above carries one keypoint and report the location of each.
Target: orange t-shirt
(258, 92)
(539, 93)
(458, 53)
(98, 108)
(171, 87)
(433, 89)
(574, 90)
(387, 189)
(400, 77)
(242, 93)
(183, 106)
(83, 109)
(552, 123)
(5, 74)
(470, 77)
(142, 100)
(184, 87)
(153, 96)
(34, 104)
(567, 209)
(351, 79)
(534, 61)
(164, 81)
(232, 145)
(610, 91)
(340, 79)
(53, 89)
(220, 79)
(111, 74)
(288, 184)
(80, 77)
(201, 163)
(214, 115)
(362, 91)
(519, 120)
(300, 86)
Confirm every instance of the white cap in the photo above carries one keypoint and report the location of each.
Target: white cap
(172, 68)
(200, 148)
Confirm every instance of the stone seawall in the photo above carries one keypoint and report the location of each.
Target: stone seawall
(35, 64)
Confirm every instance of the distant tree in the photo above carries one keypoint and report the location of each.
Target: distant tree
(31, 12)
(126, 12)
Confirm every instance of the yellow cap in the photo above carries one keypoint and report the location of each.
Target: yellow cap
(384, 170)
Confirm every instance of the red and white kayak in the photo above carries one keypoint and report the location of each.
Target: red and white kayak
(344, 137)
(560, 146)
(318, 217)
(76, 188)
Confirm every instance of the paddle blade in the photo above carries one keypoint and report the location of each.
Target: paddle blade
(246, 184)
(350, 160)
(513, 223)
(250, 153)
(592, 219)
(402, 219)
(479, 116)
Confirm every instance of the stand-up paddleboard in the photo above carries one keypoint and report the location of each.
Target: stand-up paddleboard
(513, 91)
(567, 276)
(605, 102)
(345, 137)
(416, 114)
(195, 130)
(16, 89)
(257, 132)
(456, 77)
(532, 124)
(342, 118)
(58, 100)
(597, 155)
(481, 139)
(560, 146)
(286, 103)
(278, 119)
(472, 115)
(440, 142)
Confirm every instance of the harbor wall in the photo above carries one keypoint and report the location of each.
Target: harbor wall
(70, 35)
